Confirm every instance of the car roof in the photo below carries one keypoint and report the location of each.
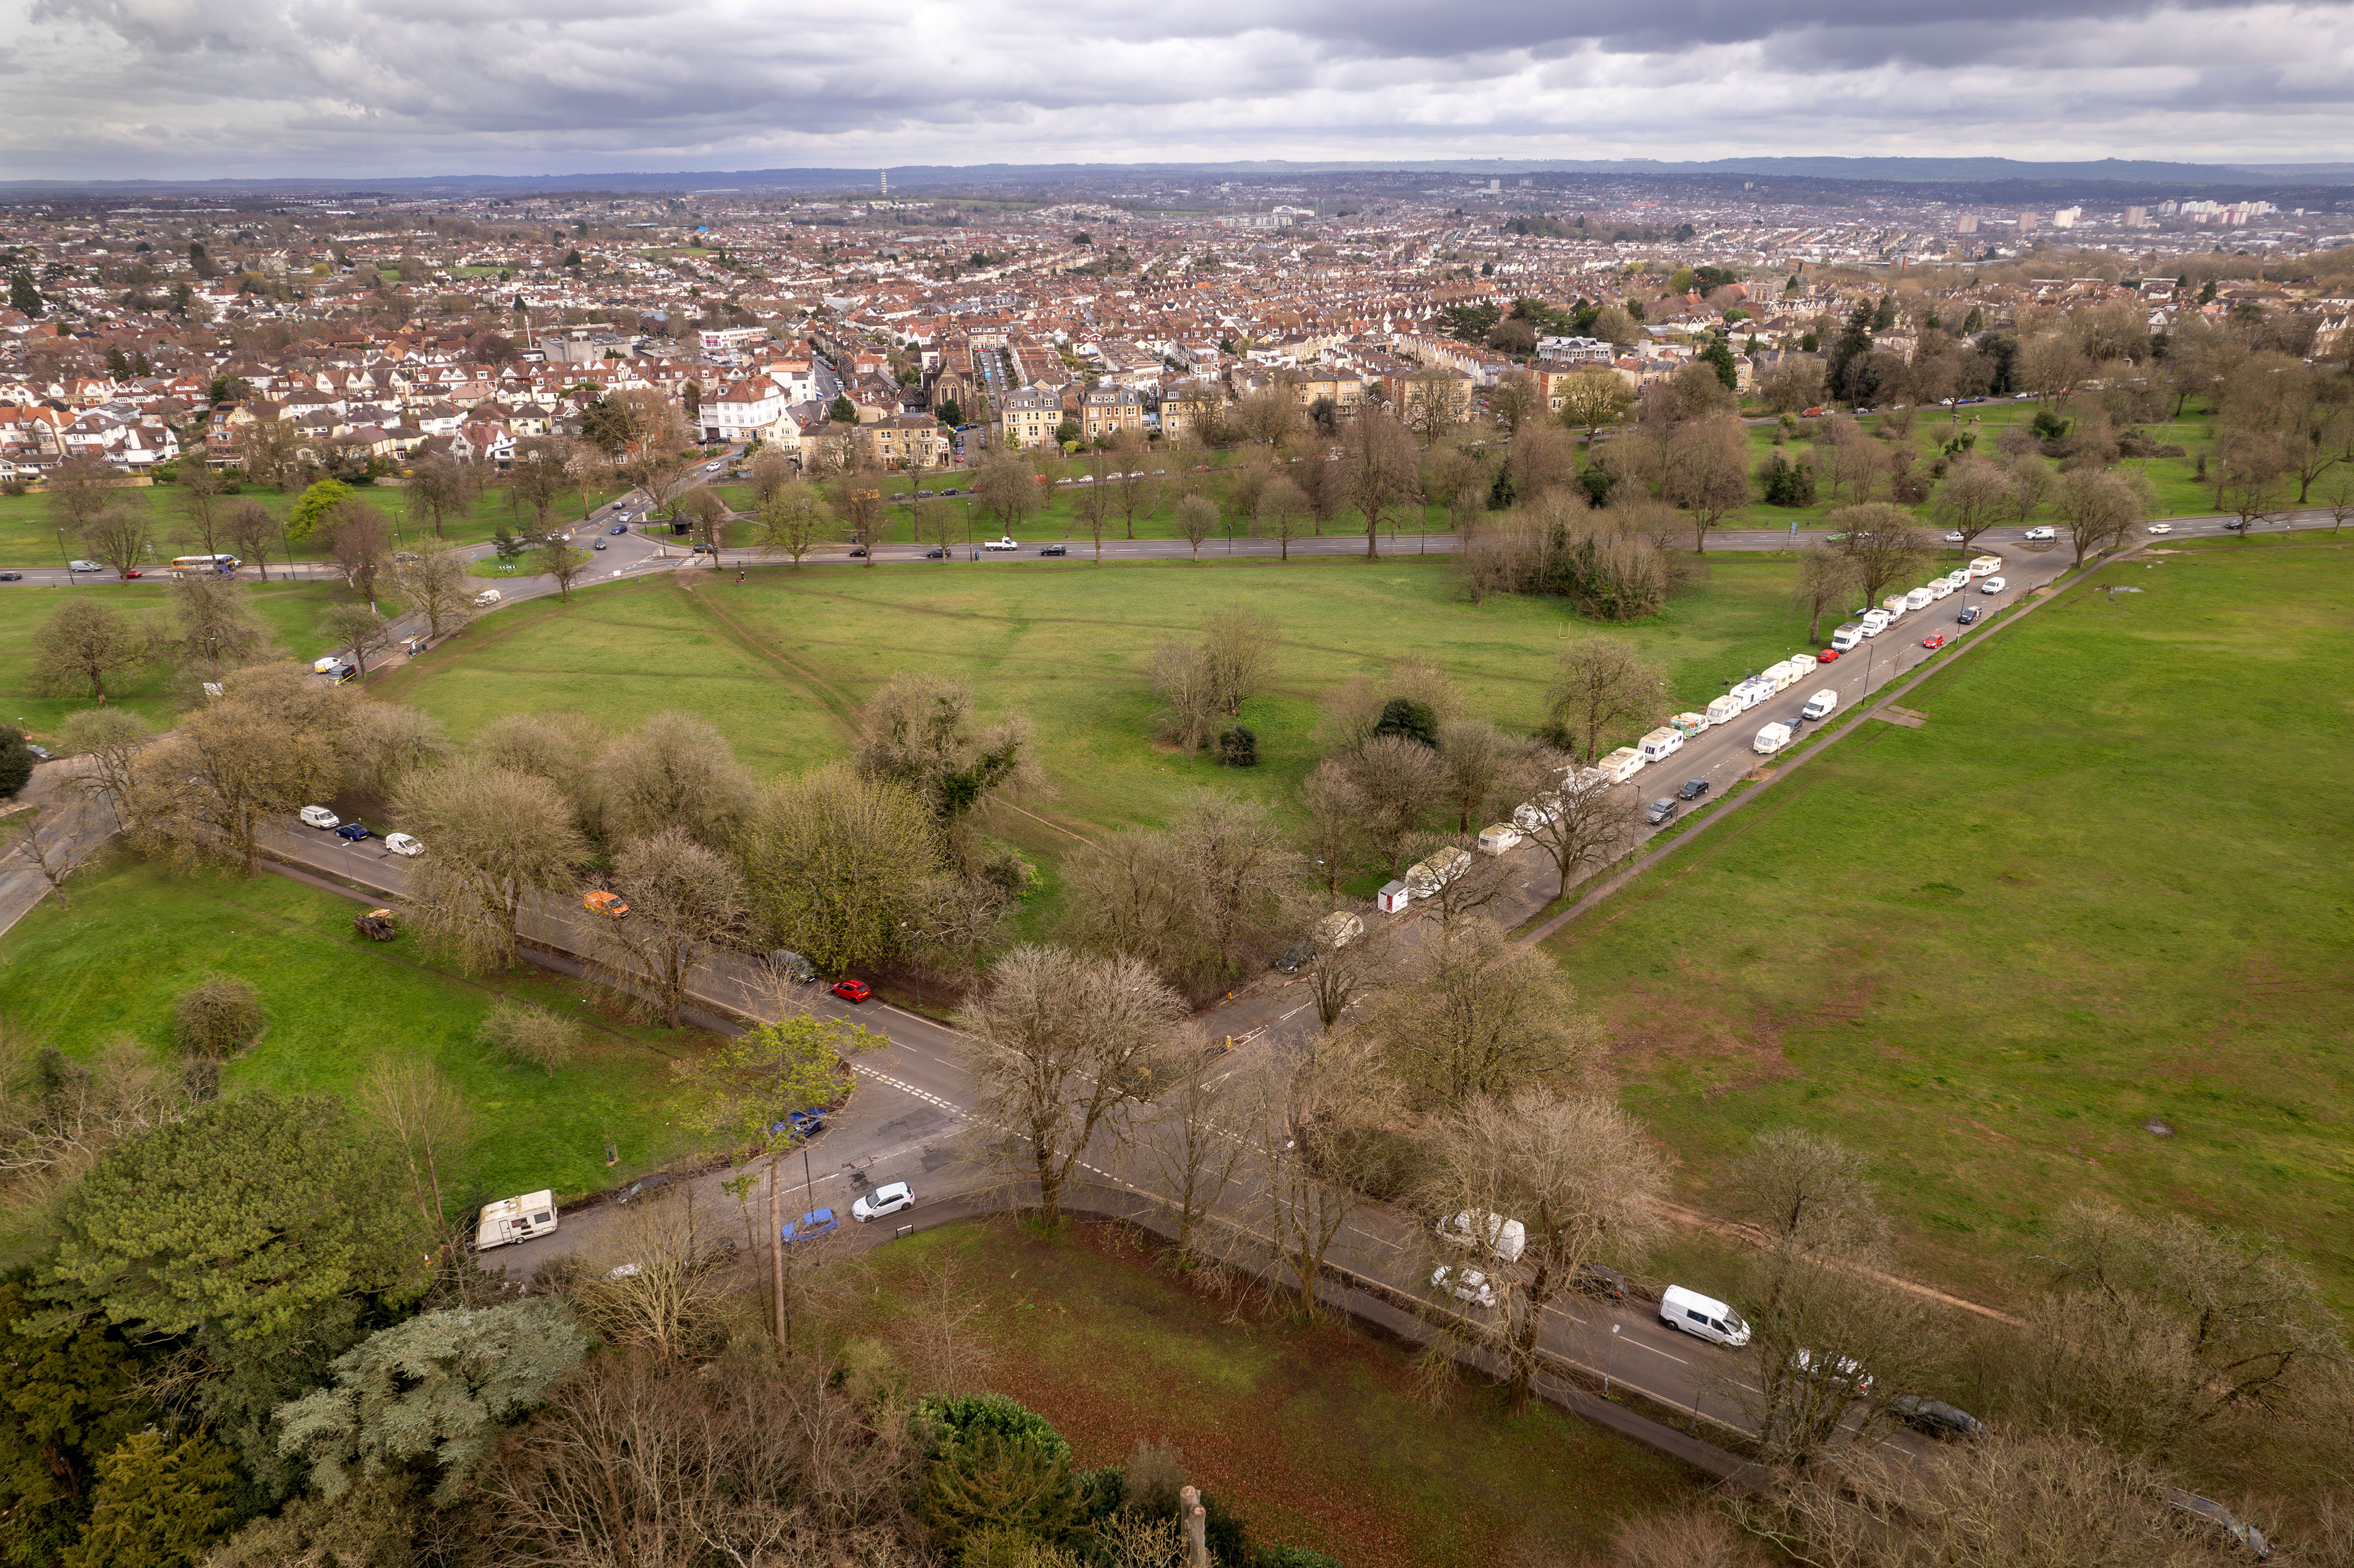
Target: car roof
(888, 1189)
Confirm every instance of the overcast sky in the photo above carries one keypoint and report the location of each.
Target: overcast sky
(180, 89)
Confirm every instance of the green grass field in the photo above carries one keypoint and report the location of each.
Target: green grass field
(29, 535)
(294, 611)
(1312, 1434)
(783, 663)
(134, 938)
(2103, 886)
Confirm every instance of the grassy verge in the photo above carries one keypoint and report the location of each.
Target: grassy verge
(116, 959)
(2088, 897)
(1311, 1433)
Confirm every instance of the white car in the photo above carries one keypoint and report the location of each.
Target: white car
(2161, 527)
(2040, 536)
(886, 1200)
(321, 817)
(1992, 584)
(1955, 540)
(1464, 1285)
(1006, 544)
(84, 567)
(401, 844)
(1841, 1373)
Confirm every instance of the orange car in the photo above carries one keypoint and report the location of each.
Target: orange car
(602, 903)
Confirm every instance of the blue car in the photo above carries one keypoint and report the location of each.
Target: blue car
(619, 528)
(800, 1124)
(810, 1226)
(352, 830)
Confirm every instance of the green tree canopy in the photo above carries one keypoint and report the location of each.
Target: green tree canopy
(748, 1089)
(159, 1504)
(247, 1218)
(433, 1391)
(311, 508)
(67, 1397)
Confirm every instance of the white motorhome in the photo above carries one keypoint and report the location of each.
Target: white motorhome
(1874, 622)
(1703, 1316)
(1425, 877)
(1339, 928)
(1848, 637)
(1661, 743)
(1498, 837)
(1959, 578)
(516, 1220)
(1504, 1239)
(1621, 765)
(1985, 566)
(1918, 598)
(1725, 709)
(1821, 704)
(1771, 739)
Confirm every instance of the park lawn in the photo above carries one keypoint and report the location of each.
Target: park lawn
(29, 538)
(134, 938)
(294, 611)
(1311, 1433)
(2101, 888)
(784, 661)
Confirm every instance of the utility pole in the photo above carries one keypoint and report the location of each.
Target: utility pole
(776, 1250)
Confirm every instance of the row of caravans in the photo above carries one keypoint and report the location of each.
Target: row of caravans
(1896, 605)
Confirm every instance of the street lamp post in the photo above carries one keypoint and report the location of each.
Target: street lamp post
(1607, 1356)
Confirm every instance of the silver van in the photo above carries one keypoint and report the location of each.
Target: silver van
(1703, 1316)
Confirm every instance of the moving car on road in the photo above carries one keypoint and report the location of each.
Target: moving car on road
(619, 528)
(84, 567)
(1053, 550)
(354, 832)
(1934, 640)
(1968, 616)
(2161, 528)
(1703, 1316)
(2040, 536)
(886, 1200)
(1008, 542)
(852, 989)
(1993, 585)
(12, 576)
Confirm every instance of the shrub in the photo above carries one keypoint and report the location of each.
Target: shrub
(1155, 1475)
(1415, 721)
(951, 1420)
(217, 1018)
(531, 1036)
(16, 760)
(1787, 484)
(1238, 748)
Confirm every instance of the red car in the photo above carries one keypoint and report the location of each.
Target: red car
(1827, 656)
(852, 989)
(1934, 640)
(134, 572)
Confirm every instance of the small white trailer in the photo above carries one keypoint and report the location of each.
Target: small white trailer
(516, 1220)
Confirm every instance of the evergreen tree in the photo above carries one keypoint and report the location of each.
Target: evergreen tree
(23, 298)
(159, 1504)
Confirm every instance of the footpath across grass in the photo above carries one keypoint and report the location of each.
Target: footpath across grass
(2081, 934)
(116, 959)
(1311, 1432)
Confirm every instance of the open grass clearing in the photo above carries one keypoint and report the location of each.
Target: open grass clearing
(1311, 1432)
(134, 937)
(2099, 892)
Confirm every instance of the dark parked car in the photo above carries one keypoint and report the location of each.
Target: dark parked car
(1053, 550)
(952, 492)
(1934, 1417)
(936, 553)
(1968, 616)
(1691, 789)
(354, 832)
(1659, 810)
(1593, 1279)
(619, 528)
(1296, 954)
(644, 1187)
(12, 576)
(858, 552)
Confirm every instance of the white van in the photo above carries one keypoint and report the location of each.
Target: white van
(1505, 1239)
(1820, 704)
(1724, 710)
(1621, 765)
(1985, 566)
(1959, 578)
(1848, 637)
(1918, 598)
(1771, 739)
(487, 598)
(1703, 1316)
(1659, 743)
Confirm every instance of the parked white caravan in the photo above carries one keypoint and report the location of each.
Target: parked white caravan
(1621, 765)
(516, 1220)
(1783, 675)
(1940, 588)
(1498, 837)
(1531, 815)
(1771, 739)
(1504, 1239)
(1895, 605)
(1425, 877)
(1725, 709)
(1918, 598)
(1661, 743)
(1985, 566)
(1805, 663)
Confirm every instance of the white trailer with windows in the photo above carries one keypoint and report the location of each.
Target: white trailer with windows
(1621, 765)
(516, 1220)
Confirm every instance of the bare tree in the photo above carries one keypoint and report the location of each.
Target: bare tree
(1401, 781)
(674, 770)
(684, 902)
(360, 631)
(2101, 509)
(1599, 684)
(654, 1276)
(791, 523)
(1476, 1013)
(111, 738)
(443, 486)
(495, 840)
(1283, 511)
(1708, 473)
(1378, 463)
(1830, 1346)
(59, 1116)
(1808, 1190)
(1304, 1136)
(1069, 1044)
(1580, 827)
(215, 629)
(250, 530)
(1975, 497)
(122, 536)
(1594, 398)
(420, 1114)
(1336, 836)
(1826, 580)
(434, 586)
(1240, 642)
(2250, 469)
(1882, 542)
(386, 742)
(1193, 1146)
(1197, 519)
(1181, 676)
(80, 489)
(59, 843)
(1583, 1178)
(273, 742)
(530, 1036)
(921, 732)
(565, 562)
